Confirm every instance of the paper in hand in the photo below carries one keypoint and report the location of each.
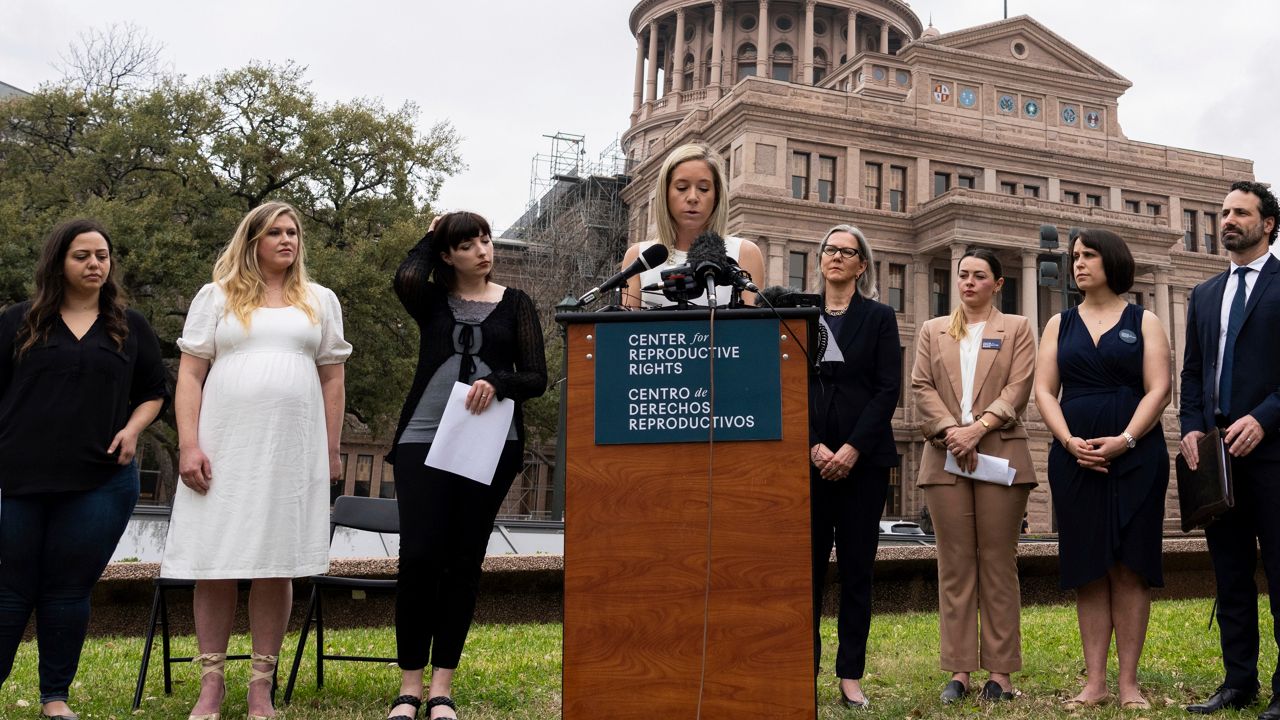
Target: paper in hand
(990, 469)
(470, 445)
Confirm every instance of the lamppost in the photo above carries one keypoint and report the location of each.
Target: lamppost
(1055, 263)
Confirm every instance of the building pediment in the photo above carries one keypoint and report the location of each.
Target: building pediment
(1024, 40)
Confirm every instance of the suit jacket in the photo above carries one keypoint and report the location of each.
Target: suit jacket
(1002, 385)
(1255, 383)
(853, 402)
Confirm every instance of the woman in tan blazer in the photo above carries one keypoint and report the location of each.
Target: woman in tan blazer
(972, 377)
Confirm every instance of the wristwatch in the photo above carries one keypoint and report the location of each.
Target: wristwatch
(1129, 440)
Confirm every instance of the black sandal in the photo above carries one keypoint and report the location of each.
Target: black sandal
(406, 700)
(445, 700)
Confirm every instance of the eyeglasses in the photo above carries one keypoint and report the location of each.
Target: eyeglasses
(846, 253)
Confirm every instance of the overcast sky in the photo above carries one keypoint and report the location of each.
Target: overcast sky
(506, 72)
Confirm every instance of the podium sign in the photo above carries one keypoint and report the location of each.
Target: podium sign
(654, 380)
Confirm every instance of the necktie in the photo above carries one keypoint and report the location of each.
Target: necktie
(1234, 321)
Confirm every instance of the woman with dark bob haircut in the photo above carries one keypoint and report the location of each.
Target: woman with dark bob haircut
(1102, 381)
(477, 332)
(80, 379)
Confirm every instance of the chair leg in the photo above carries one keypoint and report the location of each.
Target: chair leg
(164, 641)
(146, 649)
(319, 640)
(302, 644)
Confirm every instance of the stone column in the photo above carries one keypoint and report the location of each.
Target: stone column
(920, 291)
(1055, 190)
(668, 62)
(807, 74)
(680, 51)
(638, 97)
(1027, 305)
(777, 265)
(957, 251)
(651, 80)
(699, 51)
(717, 50)
(1117, 200)
(1162, 298)
(851, 43)
(989, 181)
(924, 184)
(884, 37)
(762, 41)
(853, 179)
(1177, 341)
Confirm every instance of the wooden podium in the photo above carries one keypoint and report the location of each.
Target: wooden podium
(687, 581)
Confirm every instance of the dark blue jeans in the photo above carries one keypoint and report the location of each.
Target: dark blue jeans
(53, 548)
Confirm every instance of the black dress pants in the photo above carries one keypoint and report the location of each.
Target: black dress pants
(1234, 539)
(445, 523)
(848, 512)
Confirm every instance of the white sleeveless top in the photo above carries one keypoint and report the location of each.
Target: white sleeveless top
(732, 248)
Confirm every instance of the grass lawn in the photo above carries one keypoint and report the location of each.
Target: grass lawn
(512, 672)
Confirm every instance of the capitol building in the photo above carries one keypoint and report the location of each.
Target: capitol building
(851, 111)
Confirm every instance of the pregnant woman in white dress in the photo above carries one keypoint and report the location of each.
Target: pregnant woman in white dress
(259, 408)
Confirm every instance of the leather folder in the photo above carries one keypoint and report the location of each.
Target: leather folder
(1207, 491)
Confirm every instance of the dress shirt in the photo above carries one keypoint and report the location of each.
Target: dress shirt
(1228, 294)
(969, 348)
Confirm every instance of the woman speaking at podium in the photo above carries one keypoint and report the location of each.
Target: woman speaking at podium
(692, 198)
(851, 402)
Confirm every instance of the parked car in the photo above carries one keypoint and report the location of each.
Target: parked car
(900, 527)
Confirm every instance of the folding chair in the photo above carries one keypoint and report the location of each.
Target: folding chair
(379, 515)
(160, 616)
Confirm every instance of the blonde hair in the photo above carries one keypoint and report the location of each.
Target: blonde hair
(239, 276)
(719, 218)
(866, 285)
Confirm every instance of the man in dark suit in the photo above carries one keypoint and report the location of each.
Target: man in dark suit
(1231, 380)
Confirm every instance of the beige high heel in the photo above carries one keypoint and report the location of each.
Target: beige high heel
(210, 663)
(255, 675)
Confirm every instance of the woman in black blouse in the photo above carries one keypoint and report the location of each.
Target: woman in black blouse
(80, 378)
(474, 331)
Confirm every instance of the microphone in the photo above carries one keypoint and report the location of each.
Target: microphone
(707, 255)
(649, 258)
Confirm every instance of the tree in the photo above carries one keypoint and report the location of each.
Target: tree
(171, 169)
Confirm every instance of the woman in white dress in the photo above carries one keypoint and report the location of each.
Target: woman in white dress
(691, 198)
(259, 407)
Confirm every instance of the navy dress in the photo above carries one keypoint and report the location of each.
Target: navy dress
(1118, 516)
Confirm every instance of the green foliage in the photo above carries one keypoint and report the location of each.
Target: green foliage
(171, 169)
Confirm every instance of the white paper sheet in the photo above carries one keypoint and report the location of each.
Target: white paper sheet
(470, 445)
(990, 469)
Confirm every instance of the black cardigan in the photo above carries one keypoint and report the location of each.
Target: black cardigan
(512, 346)
(63, 401)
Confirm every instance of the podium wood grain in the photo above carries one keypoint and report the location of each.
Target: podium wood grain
(636, 567)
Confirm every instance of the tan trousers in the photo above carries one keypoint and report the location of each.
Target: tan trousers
(977, 525)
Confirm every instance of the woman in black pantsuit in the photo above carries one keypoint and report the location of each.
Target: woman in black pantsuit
(852, 398)
(472, 331)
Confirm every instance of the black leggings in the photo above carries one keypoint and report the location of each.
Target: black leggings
(445, 523)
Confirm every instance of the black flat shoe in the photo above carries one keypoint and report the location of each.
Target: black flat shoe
(406, 700)
(1225, 697)
(850, 702)
(993, 692)
(1273, 710)
(953, 692)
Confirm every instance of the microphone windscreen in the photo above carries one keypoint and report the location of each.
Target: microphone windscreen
(654, 255)
(774, 292)
(707, 247)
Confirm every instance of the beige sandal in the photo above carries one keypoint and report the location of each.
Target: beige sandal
(210, 663)
(256, 675)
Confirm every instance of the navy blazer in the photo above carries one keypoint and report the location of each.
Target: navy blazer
(1255, 384)
(854, 401)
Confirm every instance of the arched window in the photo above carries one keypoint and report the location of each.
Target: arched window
(707, 69)
(687, 71)
(820, 65)
(783, 60)
(746, 59)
